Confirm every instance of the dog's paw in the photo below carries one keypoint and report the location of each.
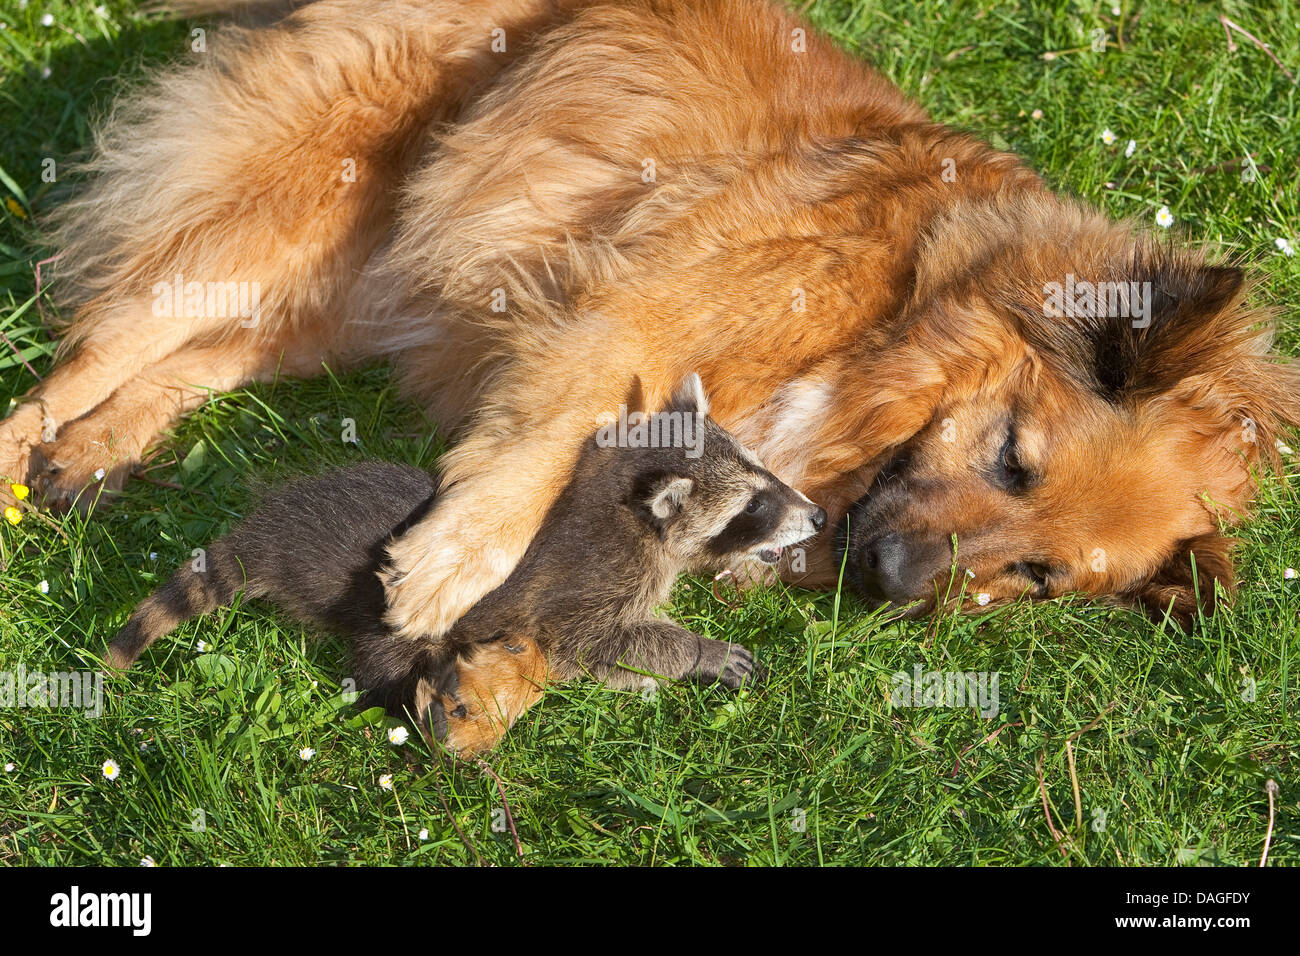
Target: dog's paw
(19, 433)
(435, 577)
(731, 665)
(79, 469)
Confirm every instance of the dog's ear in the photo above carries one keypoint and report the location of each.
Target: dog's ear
(427, 712)
(1175, 589)
(689, 396)
(1188, 323)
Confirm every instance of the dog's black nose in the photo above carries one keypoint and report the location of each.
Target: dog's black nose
(819, 518)
(883, 562)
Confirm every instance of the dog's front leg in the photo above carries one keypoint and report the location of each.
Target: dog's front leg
(499, 482)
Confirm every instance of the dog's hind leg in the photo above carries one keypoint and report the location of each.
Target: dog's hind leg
(272, 161)
(119, 348)
(98, 449)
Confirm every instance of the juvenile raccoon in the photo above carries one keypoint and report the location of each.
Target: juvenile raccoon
(581, 602)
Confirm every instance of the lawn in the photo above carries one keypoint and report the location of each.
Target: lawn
(1117, 741)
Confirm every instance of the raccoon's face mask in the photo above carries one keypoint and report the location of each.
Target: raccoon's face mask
(713, 502)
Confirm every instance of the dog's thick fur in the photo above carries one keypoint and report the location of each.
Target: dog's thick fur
(523, 203)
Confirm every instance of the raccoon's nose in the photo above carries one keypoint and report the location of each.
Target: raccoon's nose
(819, 519)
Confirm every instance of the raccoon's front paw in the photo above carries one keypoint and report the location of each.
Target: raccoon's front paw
(728, 664)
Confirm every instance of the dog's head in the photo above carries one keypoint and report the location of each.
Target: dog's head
(1097, 406)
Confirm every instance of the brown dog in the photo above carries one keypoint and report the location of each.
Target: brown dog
(524, 203)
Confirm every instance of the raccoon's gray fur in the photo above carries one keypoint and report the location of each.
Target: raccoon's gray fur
(313, 547)
(607, 553)
(629, 521)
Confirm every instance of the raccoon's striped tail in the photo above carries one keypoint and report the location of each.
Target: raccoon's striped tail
(203, 585)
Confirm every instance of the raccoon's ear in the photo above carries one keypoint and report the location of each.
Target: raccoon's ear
(663, 495)
(635, 400)
(1174, 588)
(689, 396)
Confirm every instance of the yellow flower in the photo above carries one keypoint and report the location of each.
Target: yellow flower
(15, 208)
(20, 491)
(13, 515)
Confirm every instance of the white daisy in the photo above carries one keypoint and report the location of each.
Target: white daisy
(1131, 148)
(982, 598)
(1284, 246)
(99, 474)
(47, 20)
(306, 753)
(1283, 448)
(1036, 114)
(1164, 218)
(10, 767)
(1290, 574)
(43, 587)
(423, 835)
(147, 861)
(1108, 137)
(201, 646)
(386, 782)
(110, 770)
(397, 736)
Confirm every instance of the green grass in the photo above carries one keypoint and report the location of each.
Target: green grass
(1171, 755)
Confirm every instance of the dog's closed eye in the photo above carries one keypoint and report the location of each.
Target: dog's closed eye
(1035, 571)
